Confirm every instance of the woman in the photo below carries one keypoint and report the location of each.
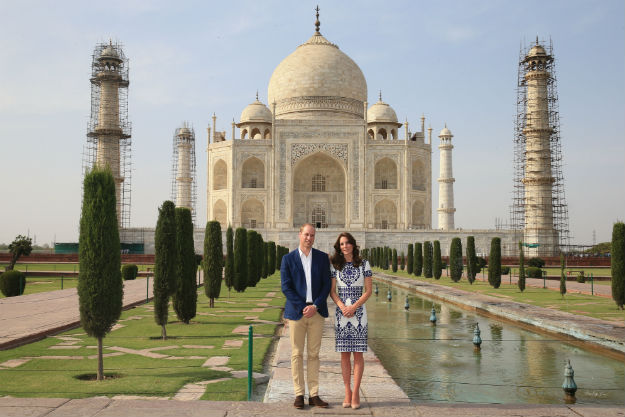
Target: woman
(351, 287)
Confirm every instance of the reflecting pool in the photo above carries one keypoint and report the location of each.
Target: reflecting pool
(438, 363)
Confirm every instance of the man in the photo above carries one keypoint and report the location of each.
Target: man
(305, 275)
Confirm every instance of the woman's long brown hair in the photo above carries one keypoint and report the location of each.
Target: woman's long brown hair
(338, 260)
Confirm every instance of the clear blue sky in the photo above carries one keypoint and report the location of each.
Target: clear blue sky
(454, 61)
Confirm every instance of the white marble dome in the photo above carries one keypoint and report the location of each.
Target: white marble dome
(256, 112)
(445, 132)
(109, 52)
(317, 77)
(381, 112)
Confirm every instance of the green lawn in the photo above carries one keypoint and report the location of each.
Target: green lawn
(188, 347)
(70, 267)
(593, 306)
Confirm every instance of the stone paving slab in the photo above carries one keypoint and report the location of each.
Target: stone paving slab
(603, 333)
(153, 407)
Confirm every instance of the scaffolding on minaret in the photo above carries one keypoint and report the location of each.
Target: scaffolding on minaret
(109, 131)
(520, 206)
(183, 169)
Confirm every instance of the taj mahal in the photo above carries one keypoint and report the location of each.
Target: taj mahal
(316, 152)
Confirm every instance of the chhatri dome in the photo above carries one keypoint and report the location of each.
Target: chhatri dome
(256, 112)
(317, 80)
(381, 112)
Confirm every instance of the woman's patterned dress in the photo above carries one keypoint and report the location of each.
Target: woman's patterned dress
(351, 333)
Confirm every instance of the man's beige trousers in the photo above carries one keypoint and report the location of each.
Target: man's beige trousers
(307, 330)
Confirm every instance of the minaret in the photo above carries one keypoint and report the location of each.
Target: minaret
(109, 131)
(446, 181)
(183, 186)
(539, 232)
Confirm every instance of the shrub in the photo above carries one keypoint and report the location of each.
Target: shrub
(455, 259)
(410, 259)
(240, 259)
(521, 281)
(580, 277)
(271, 256)
(12, 283)
(418, 259)
(618, 264)
(165, 263)
(213, 264)
(505, 270)
(229, 267)
(129, 272)
(437, 264)
(185, 295)
(533, 272)
(472, 263)
(562, 276)
(494, 263)
(394, 260)
(481, 263)
(427, 259)
(536, 262)
(100, 286)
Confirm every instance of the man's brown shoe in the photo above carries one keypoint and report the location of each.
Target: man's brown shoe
(317, 402)
(299, 402)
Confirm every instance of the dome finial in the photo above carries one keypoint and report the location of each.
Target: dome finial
(317, 22)
(380, 95)
(536, 39)
(256, 95)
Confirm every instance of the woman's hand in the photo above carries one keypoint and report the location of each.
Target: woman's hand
(349, 311)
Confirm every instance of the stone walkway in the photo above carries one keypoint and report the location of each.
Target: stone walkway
(600, 290)
(32, 317)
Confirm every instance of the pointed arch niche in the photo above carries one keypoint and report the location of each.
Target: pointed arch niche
(253, 173)
(319, 191)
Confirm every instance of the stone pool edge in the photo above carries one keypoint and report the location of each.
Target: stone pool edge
(602, 333)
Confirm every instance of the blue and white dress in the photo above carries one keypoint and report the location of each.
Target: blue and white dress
(351, 333)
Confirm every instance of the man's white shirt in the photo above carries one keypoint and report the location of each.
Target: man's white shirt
(307, 264)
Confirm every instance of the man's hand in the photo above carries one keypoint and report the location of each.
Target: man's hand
(309, 311)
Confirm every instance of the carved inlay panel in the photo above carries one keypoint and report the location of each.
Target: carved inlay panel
(300, 150)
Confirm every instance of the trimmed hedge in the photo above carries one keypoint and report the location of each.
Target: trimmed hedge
(129, 272)
(533, 272)
(12, 283)
(618, 264)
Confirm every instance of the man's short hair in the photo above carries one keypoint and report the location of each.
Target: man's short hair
(304, 225)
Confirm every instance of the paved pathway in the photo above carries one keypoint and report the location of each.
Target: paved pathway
(31, 317)
(378, 389)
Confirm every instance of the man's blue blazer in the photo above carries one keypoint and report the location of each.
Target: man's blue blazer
(294, 283)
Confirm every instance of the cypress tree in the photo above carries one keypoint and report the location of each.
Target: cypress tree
(185, 297)
(455, 259)
(427, 259)
(494, 263)
(240, 259)
(387, 257)
(394, 259)
(253, 268)
(410, 260)
(281, 252)
(618, 264)
(271, 256)
(213, 261)
(418, 259)
(165, 263)
(472, 265)
(263, 259)
(521, 281)
(562, 276)
(402, 264)
(100, 287)
(437, 262)
(229, 269)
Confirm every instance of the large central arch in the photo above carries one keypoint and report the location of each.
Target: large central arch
(319, 188)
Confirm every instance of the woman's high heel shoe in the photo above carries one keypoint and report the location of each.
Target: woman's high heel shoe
(355, 406)
(347, 405)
